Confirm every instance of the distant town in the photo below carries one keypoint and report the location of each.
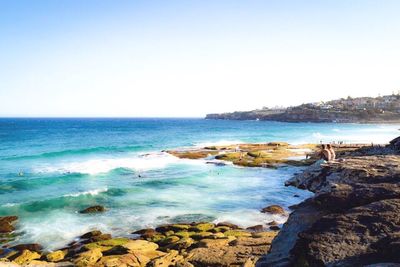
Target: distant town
(381, 109)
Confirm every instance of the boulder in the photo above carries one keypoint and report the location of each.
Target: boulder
(6, 224)
(88, 258)
(184, 243)
(56, 256)
(201, 227)
(169, 240)
(255, 228)
(356, 237)
(140, 245)
(274, 209)
(26, 256)
(228, 224)
(91, 234)
(93, 209)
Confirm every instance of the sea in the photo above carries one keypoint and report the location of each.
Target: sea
(51, 168)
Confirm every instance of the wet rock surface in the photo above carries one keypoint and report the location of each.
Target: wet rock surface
(93, 209)
(353, 219)
(181, 245)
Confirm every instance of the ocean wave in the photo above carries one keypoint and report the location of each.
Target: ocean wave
(82, 151)
(93, 192)
(97, 166)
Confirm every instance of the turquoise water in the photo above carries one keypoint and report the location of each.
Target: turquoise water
(52, 168)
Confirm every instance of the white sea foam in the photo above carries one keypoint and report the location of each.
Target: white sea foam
(103, 165)
(89, 192)
(252, 217)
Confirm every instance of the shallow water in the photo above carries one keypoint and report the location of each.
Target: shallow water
(52, 168)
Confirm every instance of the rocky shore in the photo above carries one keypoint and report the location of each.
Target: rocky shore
(180, 245)
(353, 219)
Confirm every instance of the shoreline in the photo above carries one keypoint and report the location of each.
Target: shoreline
(354, 212)
(273, 154)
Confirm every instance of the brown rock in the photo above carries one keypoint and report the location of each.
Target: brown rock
(26, 257)
(274, 228)
(228, 224)
(32, 247)
(88, 258)
(146, 233)
(210, 243)
(93, 209)
(169, 259)
(6, 224)
(273, 223)
(56, 256)
(273, 209)
(256, 228)
(91, 234)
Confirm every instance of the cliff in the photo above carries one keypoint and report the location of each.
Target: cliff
(352, 220)
(364, 110)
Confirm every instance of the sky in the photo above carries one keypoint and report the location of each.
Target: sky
(119, 58)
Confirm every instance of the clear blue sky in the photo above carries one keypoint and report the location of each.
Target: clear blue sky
(189, 58)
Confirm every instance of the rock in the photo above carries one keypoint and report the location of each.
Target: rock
(93, 209)
(118, 260)
(221, 229)
(274, 228)
(395, 144)
(256, 228)
(186, 264)
(269, 234)
(56, 256)
(201, 235)
(237, 233)
(140, 245)
(273, 223)
(42, 263)
(146, 233)
(202, 227)
(251, 241)
(184, 243)
(169, 240)
(228, 224)
(352, 237)
(209, 243)
(26, 257)
(6, 224)
(156, 238)
(32, 247)
(100, 237)
(88, 258)
(273, 209)
(169, 259)
(225, 256)
(91, 234)
(354, 213)
(106, 244)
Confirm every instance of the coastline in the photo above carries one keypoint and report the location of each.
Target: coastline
(354, 213)
(200, 243)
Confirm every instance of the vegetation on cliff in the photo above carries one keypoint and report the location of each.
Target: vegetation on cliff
(361, 109)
